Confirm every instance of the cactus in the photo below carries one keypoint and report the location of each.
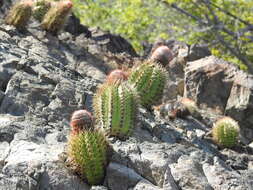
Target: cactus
(149, 79)
(55, 18)
(19, 14)
(225, 132)
(162, 54)
(190, 105)
(117, 76)
(81, 120)
(115, 107)
(40, 8)
(88, 152)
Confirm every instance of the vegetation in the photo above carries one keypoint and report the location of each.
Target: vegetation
(225, 26)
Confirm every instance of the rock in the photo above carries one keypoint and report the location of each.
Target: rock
(198, 51)
(121, 173)
(189, 175)
(145, 185)
(204, 80)
(219, 176)
(239, 104)
(98, 188)
(1, 96)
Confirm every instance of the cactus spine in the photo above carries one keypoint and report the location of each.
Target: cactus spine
(40, 8)
(117, 76)
(225, 132)
(19, 14)
(115, 107)
(55, 18)
(81, 120)
(88, 153)
(149, 79)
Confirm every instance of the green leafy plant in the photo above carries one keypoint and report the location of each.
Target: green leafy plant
(56, 17)
(81, 120)
(115, 107)
(88, 152)
(40, 8)
(225, 132)
(149, 79)
(19, 14)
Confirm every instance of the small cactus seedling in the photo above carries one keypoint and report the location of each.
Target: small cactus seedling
(81, 120)
(40, 8)
(55, 18)
(88, 152)
(149, 79)
(162, 54)
(190, 105)
(225, 132)
(117, 76)
(19, 14)
(115, 107)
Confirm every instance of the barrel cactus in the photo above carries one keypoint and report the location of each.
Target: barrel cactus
(149, 80)
(19, 14)
(81, 120)
(56, 17)
(225, 132)
(88, 152)
(40, 8)
(115, 107)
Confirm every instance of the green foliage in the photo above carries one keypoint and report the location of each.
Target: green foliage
(149, 79)
(208, 22)
(88, 151)
(225, 132)
(40, 8)
(55, 18)
(115, 107)
(19, 14)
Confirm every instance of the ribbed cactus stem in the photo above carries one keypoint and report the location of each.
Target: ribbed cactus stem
(81, 120)
(40, 8)
(149, 79)
(162, 54)
(88, 151)
(225, 132)
(19, 14)
(56, 17)
(117, 76)
(115, 107)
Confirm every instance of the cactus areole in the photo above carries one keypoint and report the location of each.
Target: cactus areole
(81, 120)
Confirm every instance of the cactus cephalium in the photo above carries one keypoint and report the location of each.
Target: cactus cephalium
(19, 14)
(55, 18)
(225, 132)
(149, 79)
(88, 151)
(117, 76)
(115, 107)
(81, 120)
(162, 54)
(40, 8)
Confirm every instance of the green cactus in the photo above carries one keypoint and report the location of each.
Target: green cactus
(57, 15)
(40, 8)
(225, 132)
(115, 107)
(88, 152)
(19, 14)
(149, 79)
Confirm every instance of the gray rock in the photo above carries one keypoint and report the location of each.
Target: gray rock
(145, 185)
(121, 173)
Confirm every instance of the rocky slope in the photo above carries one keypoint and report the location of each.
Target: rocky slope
(43, 79)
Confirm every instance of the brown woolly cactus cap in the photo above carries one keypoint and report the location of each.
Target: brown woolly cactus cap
(81, 120)
(67, 4)
(162, 54)
(117, 75)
